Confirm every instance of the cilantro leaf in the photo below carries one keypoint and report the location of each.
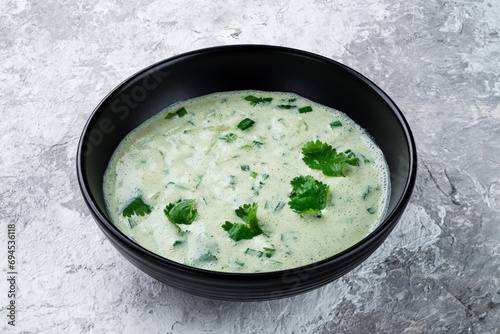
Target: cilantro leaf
(181, 212)
(256, 100)
(308, 195)
(136, 207)
(318, 155)
(250, 228)
(238, 231)
(246, 123)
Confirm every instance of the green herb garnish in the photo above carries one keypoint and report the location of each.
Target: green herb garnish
(269, 251)
(232, 180)
(229, 137)
(257, 143)
(335, 124)
(351, 158)
(318, 155)
(249, 229)
(181, 112)
(207, 257)
(305, 109)
(371, 210)
(256, 100)
(245, 168)
(286, 106)
(136, 207)
(308, 195)
(181, 212)
(367, 192)
(279, 207)
(245, 124)
(253, 252)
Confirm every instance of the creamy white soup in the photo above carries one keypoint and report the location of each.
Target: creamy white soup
(247, 181)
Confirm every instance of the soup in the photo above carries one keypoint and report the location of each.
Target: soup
(247, 181)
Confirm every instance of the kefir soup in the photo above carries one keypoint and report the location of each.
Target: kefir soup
(247, 181)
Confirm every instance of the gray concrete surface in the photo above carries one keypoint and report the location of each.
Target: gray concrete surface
(439, 272)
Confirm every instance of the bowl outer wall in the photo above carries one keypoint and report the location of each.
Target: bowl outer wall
(235, 68)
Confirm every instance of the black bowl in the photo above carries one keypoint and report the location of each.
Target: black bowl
(242, 67)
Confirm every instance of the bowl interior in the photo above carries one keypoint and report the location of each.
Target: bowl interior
(240, 68)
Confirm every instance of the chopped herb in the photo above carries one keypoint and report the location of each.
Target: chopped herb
(269, 251)
(190, 122)
(254, 174)
(318, 155)
(279, 207)
(241, 264)
(367, 192)
(371, 210)
(177, 242)
(305, 109)
(253, 252)
(136, 207)
(207, 257)
(308, 195)
(232, 180)
(265, 176)
(257, 143)
(248, 230)
(245, 124)
(181, 112)
(336, 124)
(131, 223)
(229, 137)
(286, 106)
(181, 212)
(245, 168)
(256, 100)
(200, 177)
(351, 158)
(257, 188)
(365, 159)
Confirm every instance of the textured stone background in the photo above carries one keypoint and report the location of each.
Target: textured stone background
(439, 60)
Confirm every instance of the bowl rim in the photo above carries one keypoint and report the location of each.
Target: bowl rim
(381, 229)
